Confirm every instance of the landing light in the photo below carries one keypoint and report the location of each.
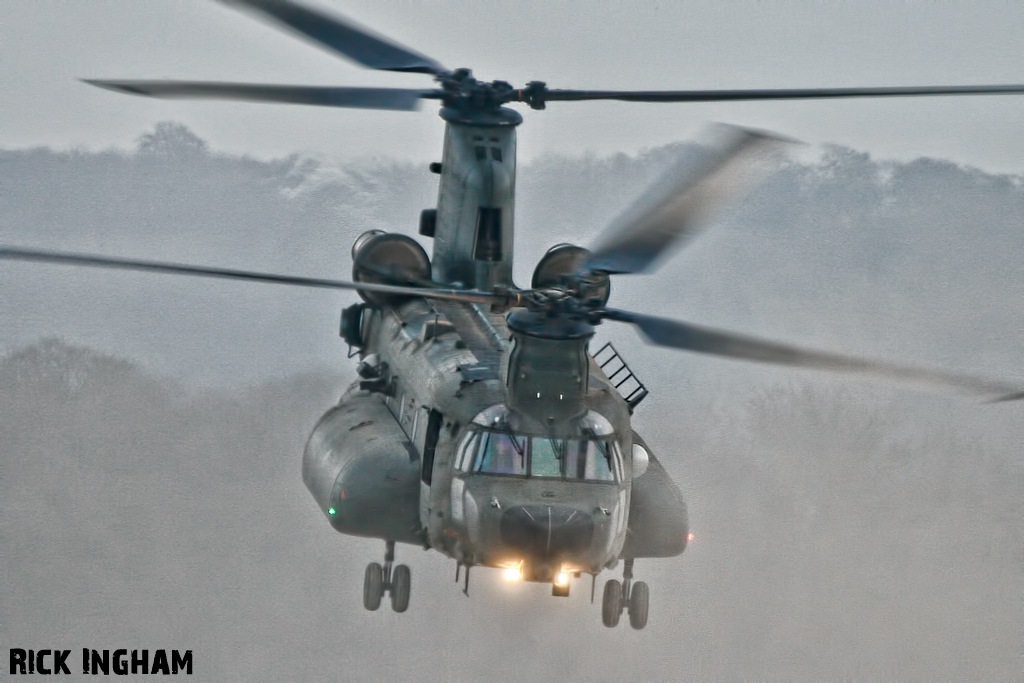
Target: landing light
(562, 578)
(513, 574)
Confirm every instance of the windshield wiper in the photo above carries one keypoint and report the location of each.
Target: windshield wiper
(503, 428)
(602, 446)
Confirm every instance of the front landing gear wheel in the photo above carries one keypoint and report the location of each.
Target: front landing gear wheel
(638, 601)
(401, 584)
(373, 586)
(611, 603)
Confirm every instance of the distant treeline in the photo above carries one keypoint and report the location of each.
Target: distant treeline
(173, 188)
(926, 243)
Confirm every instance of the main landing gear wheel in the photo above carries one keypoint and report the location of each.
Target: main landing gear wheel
(401, 583)
(381, 579)
(611, 603)
(373, 586)
(634, 598)
(638, 600)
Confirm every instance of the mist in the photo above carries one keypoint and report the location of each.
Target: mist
(151, 429)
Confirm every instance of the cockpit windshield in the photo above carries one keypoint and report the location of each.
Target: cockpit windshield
(491, 451)
(490, 446)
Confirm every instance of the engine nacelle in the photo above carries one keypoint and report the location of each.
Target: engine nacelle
(388, 258)
(564, 262)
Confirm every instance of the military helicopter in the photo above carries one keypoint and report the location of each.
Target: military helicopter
(481, 425)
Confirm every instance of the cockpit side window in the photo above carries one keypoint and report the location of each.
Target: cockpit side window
(600, 461)
(467, 450)
(589, 460)
(501, 454)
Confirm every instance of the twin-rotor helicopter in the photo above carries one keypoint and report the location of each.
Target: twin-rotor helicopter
(481, 425)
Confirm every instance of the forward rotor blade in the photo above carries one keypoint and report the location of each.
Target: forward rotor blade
(361, 98)
(470, 296)
(776, 94)
(343, 36)
(681, 335)
(674, 207)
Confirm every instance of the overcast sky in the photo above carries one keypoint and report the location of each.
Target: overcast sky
(46, 44)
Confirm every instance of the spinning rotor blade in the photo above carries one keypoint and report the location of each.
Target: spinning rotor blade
(362, 98)
(229, 274)
(680, 335)
(673, 207)
(544, 95)
(343, 36)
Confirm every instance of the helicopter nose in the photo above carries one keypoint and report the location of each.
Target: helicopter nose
(539, 531)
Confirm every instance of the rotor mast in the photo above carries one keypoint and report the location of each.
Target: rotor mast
(473, 236)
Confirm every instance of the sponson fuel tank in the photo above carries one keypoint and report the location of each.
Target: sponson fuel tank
(363, 472)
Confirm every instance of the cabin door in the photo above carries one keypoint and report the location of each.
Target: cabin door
(426, 443)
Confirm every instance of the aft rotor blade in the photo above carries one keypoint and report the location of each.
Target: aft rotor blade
(343, 36)
(674, 207)
(361, 98)
(773, 94)
(470, 296)
(680, 335)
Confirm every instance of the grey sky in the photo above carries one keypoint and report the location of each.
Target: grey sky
(46, 44)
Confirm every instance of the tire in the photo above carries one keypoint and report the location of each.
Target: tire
(401, 585)
(611, 603)
(638, 601)
(373, 586)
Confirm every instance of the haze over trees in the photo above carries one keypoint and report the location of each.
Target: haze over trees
(151, 429)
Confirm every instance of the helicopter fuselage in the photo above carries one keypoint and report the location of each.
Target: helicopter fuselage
(402, 458)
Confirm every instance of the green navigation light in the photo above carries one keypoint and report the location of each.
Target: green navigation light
(332, 511)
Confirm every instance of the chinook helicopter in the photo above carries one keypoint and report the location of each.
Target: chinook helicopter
(481, 425)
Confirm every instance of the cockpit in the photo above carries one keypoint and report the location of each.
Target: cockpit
(491, 446)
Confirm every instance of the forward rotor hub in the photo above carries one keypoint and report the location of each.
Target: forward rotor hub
(569, 302)
(460, 90)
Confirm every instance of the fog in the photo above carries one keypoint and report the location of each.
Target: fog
(152, 427)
